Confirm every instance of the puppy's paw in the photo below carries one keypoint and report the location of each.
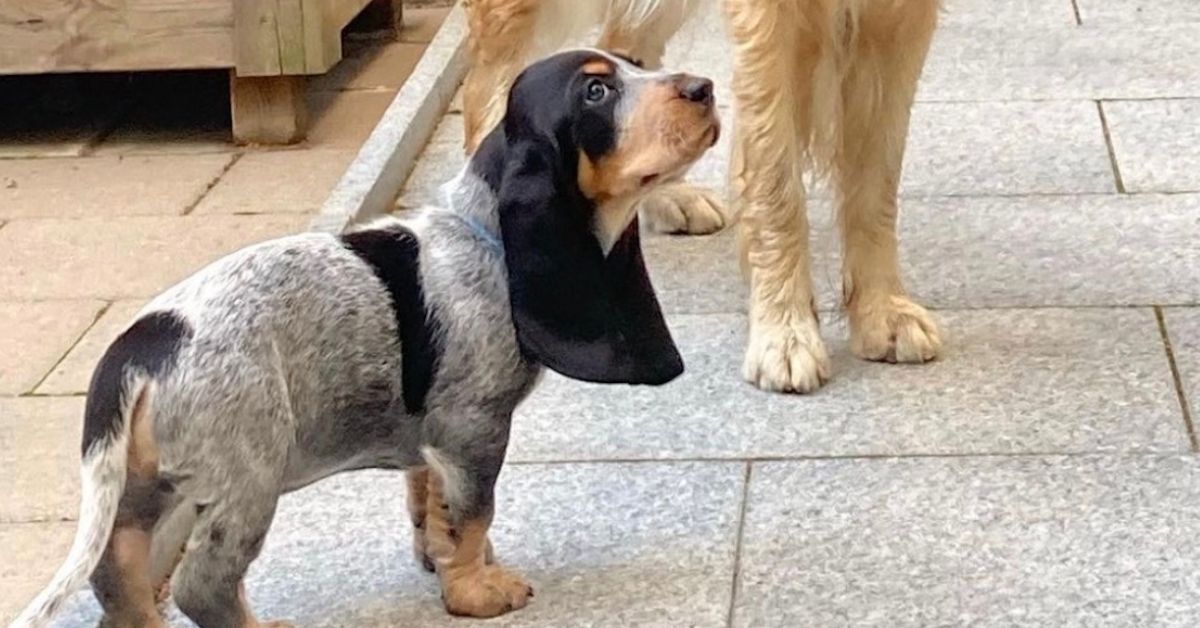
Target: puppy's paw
(486, 592)
(893, 329)
(786, 357)
(683, 208)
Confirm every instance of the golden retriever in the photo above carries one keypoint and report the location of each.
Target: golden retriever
(821, 86)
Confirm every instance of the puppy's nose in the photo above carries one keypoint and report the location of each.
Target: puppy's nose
(695, 89)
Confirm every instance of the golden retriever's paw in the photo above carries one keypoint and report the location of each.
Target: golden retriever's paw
(486, 592)
(683, 208)
(893, 329)
(786, 358)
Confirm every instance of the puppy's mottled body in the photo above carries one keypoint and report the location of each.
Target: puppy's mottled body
(403, 345)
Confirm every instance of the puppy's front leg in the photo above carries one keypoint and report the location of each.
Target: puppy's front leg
(458, 513)
(418, 500)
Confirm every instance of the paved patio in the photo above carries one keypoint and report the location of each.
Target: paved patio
(1042, 473)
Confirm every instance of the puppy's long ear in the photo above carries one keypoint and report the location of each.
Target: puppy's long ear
(582, 314)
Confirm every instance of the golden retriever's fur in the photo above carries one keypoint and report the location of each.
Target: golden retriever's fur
(824, 85)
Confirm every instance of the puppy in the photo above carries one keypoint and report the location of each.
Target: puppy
(822, 86)
(403, 345)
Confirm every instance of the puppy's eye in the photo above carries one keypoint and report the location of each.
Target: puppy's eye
(596, 90)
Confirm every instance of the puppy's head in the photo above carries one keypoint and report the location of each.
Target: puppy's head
(618, 129)
(586, 134)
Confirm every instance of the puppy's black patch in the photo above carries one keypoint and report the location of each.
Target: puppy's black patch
(393, 254)
(149, 346)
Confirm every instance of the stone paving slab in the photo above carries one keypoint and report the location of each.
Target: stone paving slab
(1138, 12)
(34, 336)
(39, 453)
(985, 62)
(283, 182)
(32, 552)
(106, 186)
(999, 148)
(1060, 541)
(136, 257)
(1157, 143)
(1010, 381)
(72, 375)
(344, 120)
(368, 65)
(1183, 327)
(980, 252)
(602, 545)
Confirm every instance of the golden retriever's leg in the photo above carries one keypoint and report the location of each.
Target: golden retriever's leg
(502, 34)
(771, 82)
(877, 94)
(677, 207)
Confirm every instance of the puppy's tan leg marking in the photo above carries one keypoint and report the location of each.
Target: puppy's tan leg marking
(470, 586)
(877, 93)
(773, 72)
(122, 580)
(502, 35)
(418, 497)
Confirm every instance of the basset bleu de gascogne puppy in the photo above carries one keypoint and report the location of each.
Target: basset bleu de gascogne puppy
(406, 344)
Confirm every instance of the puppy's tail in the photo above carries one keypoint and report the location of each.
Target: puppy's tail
(104, 471)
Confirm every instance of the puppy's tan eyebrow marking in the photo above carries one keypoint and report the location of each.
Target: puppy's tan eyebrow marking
(599, 67)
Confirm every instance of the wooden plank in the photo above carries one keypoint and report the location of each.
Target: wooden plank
(322, 38)
(80, 35)
(268, 109)
(255, 38)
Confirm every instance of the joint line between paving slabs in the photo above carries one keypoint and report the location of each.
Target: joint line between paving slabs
(1179, 391)
(1075, 10)
(1112, 151)
(103, 310)
(211, 184)
(737, 548)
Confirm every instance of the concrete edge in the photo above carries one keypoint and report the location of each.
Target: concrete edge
(375, 177)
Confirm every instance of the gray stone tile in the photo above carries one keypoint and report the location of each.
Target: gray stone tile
(1138, 12)
(1052, 250)
(1183, 328)
(590, 539)
(440, 162)
(1087, 62)
(1157, 143)
(1059, 541)
(1009, 381)
(980, 252)
(1006, 148)
(1012, 13)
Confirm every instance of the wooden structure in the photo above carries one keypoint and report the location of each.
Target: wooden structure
(268, 46)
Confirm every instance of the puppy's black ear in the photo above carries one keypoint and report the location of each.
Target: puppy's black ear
(582, 314)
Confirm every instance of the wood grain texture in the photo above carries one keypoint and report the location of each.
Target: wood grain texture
(268, 109)
(39, 36)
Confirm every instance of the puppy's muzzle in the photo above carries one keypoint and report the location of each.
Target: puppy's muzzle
(699, 90)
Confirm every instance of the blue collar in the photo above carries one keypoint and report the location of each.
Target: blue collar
(483, 232)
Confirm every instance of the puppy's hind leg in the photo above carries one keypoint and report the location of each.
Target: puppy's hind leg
(228, 536)
(886, 59)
